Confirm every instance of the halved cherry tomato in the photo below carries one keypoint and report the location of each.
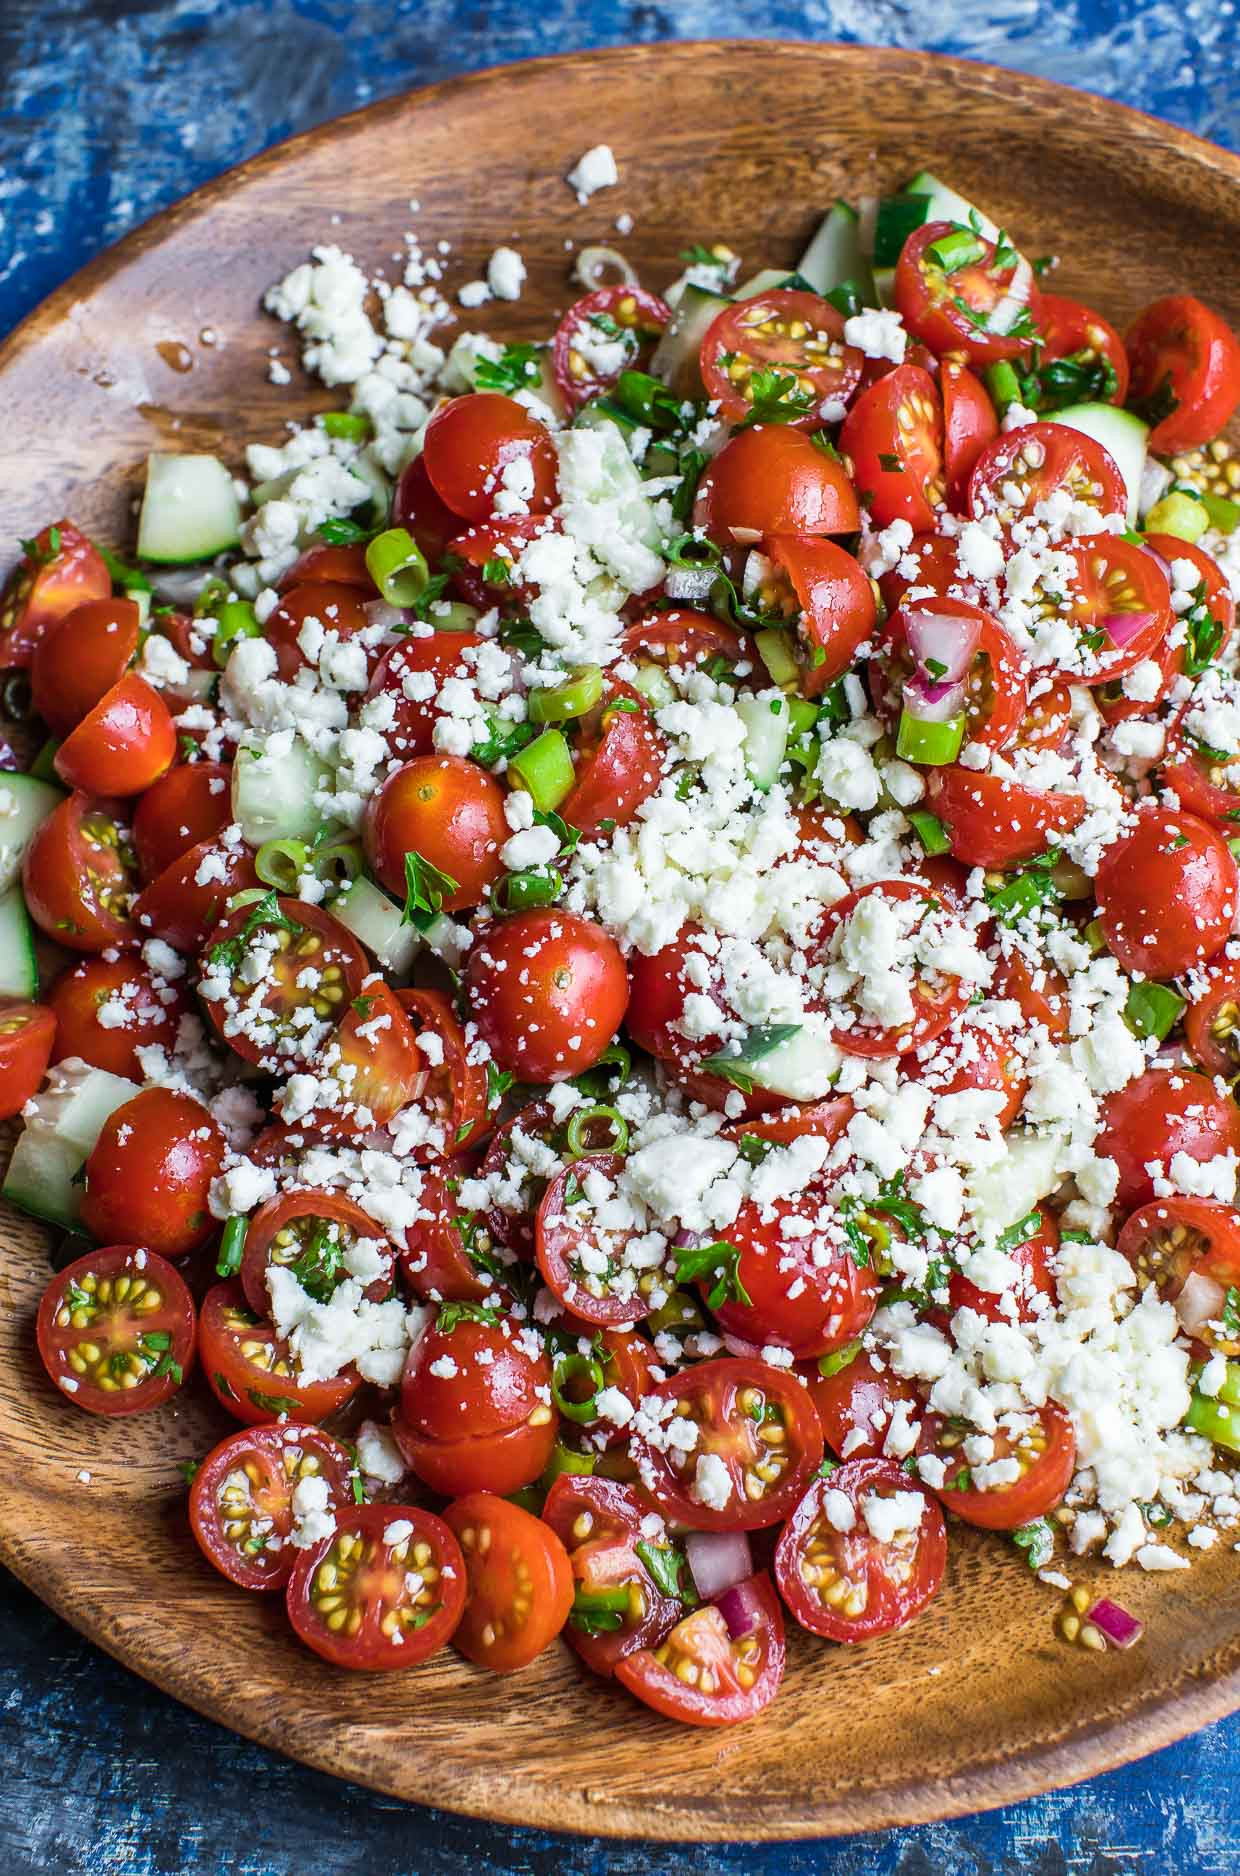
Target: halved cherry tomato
(893, 437)
(758, 1443)
(331, 566)
(116, 1330)
(59, 572)
(705, 1674)
(952, 309)
(1166, 893)
(455, 1093)
(600, 1523)
(447, 1254)
(242, 1502)
(682, 637)
(1172, 1239)
(969, 424)
(548, 991)
(837, 1577)
(450, 1400)
(927, 567)
(936, 997)
(518, 1147)
(997, 823)
(1213, 594)
(823, 1120)
(106, 1009)
(807, 1294)
(488, 554)
(616, 774)
(1212, 1019)
(253, 1373)
(78, 659)
(27, 1036)
(449, 812)
(316, 1236)
(1041, 991)
(977, 1057)
(473, 443)
(1044, 1450)
(150, 1173)
(602, 335)
(384, 1591)
(783, 333)
(1185, 372)
(417, 508)
(996, 691)
(1034, 1257)
(183, 632)
(773, 479)
(372, 1064)
(1120, 606)
(1026, 466)
(309, 962)
(857, 1402)
(412, 673)
(589, 1360)
(1076, 334)
(189, 804)
(337, 608)
(78, 876)
(489, 1462)
(1047, 721)
(122, 745)
(519, 1582)
(183, 904)
(835, 604)
(1164, 1112)
(571, 1243)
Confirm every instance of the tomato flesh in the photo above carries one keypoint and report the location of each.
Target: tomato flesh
(243, 1499)
(837, 1577)
(385, 1590)
(519, 1582)
(27, 1039)
(116, 1331)
(704, 1675)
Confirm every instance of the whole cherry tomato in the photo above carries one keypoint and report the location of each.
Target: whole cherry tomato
(548, 991)
(150, 1173)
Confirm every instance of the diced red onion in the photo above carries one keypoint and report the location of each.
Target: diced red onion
(391, 618)
(1201, 1300)
(604, 267)
(1122, 627)
(1119, 1628)
(688, 1240)
(933, 702)
(718, 1561)
(940, 638)
(740, 1608)
(1007, 311)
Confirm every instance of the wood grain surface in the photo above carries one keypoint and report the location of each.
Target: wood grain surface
(977, 1704)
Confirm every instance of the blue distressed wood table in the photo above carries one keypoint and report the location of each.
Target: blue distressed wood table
(108, 110)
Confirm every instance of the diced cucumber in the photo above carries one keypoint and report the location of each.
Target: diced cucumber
(44, 1178)
(945, 204)
(1122, 435)
(189, 511)
(804, 1067)
(374, 919)
(1001, 1194)
(675, 359)
(761, 282)
(19, 967)
(766, 721)
(895, 217)
(24, 802)
(76, 1100)
(834, 257)
(273, 793)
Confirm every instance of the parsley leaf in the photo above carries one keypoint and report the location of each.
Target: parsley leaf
(452, 1314)
(319, 1266)
(1022, 892)
(668, 1569)
(719, 1260)
(426, 888)
(516, 369)
(341, 532)
(776, 397)
(265, 915)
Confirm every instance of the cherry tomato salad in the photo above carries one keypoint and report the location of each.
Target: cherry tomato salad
(629, 945)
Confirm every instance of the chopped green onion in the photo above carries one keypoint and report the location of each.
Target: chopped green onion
(235, 619)
(776, 652)
(1152, 1009)
(1223, 512)
(576, 1134)
(566, 1459)
(574, 1367)
(839, 1359)
(1003, 385)
(450, 615)
(545, 769)
(599, 1611)
(930, 831)
(397, 566)
(802, 716)
(535, 886)
(232, 1247)
(935, 744)
(339, 861)
(953, 251)
(350, 426)
(1094, 936)
(655, 685)
(1218, 1420)
(281, 863)
(578, 694)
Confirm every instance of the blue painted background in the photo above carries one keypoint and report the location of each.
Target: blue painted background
(108, 110)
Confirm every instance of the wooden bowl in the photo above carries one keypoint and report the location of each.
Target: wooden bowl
(977, 1704)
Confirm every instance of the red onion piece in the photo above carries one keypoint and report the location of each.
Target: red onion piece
(718, 1561)
(940, 638)
(391, 618)
(933, 702)
(1201, 1300)
(1122, 627)
(740, 1608)
(1119, 1628)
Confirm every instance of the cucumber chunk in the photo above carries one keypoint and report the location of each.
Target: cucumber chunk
(378, 923)
(1122, 435)
(189, 511)
(76, 1100)
(24, 803)
(766, 721)
(19, 968)
(804, 1067)
(273, 793)
(675, 359)
(834, 257)
(43, 1178)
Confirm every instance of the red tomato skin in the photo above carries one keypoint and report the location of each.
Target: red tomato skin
(189, 804)
(75, 999)
(78, 659)
(1210, 387)
(182, 910)
(995, 823)
(241, 1382)
(932, 1015)
(450, 811)
(631, 308)
(772, 480)
(470, 439)
(975, 1057)
(40, 591)
(891, 1603)
(456, 1087)
(175, 1317)
(264, 1448)
(370, 1651)
(149, 1175)
(331, 566)
(412, 731)
(1007, 1507)
(838, 606)
(338, 608)
(970, 422)
(657, 1686)
(1164, 1112)
(834, 1302)
(926, 308)
(873, 434)
(607, 1557)
(546, 1582)
(835, 377)
(556, 1238)
(1033, 1259)
(1069, 327)
(1041, 994)
(27, 1037)
(530, 1008)
(1066, 458)
(433, 1259)
(622, 771)
(121, 746)
(486, 1462)
(1166, 894)
(474, 1398)
(417, 508)
(62, 864)
(858, 1399)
